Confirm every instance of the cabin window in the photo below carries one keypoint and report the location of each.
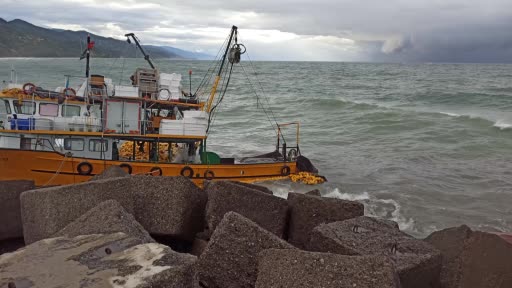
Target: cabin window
(6, 108)
(25, 107)
(74, 144)
(98, 145)
(49, 109)
(70, 110)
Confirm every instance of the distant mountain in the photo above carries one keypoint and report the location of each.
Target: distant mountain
(19, 38)
(188, 54)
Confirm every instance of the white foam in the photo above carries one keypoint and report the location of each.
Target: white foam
(374, 207)
(335, 193)
(502, 125)
(450, 114)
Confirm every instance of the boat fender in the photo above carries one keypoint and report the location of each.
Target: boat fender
(159, 173)
(285, 171)
(29, 88)
(209, 175)
(187, 172)
(127, 166)
(70, 93)
(84, 168)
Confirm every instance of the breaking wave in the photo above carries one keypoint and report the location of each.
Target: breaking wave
(388, 209)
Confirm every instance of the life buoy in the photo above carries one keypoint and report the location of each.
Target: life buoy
(71, 95)
(209, 175)
(187, 172)
(285, 171)
(127, 166)
(152, 170)
(29, 88)
(84, 168)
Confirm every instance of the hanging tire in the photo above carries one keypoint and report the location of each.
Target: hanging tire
(84, 168)
(29, 88)
(285, 171)
(209, 175)
(152, 170)
(127, 166)
(71, 95)
(187, 172)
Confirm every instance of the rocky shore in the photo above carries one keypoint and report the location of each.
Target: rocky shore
(143, 231)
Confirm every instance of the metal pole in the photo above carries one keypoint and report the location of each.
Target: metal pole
(88, 56)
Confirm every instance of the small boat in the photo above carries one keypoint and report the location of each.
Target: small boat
(151, 127)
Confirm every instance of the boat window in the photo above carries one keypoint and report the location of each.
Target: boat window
(70, 110)
(6, 108)
(98, 145)
(25, 107)
(74, 144)
(48, 109)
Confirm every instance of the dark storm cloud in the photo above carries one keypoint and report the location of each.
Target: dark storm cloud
(393, 30)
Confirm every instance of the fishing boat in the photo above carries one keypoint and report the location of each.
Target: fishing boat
(152, 127)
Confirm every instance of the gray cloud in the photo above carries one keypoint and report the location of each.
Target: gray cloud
(393, 30)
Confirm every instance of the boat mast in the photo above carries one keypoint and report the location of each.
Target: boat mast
(88, 56)
(217, 79)
(146, 56)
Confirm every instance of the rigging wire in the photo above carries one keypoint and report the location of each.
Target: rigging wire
(262, 106)
(213, 113)
(213, 66)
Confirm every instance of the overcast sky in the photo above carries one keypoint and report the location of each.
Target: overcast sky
(323, 30)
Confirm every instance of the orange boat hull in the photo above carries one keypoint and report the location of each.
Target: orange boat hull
(50, 168)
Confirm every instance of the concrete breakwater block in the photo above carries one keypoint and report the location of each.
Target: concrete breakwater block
(171, 206)
(451, 243)
(242, 184)
(106, 218)
(10, 212)
(417, 262)
(307, 212)
(473, 259)
(111, 260)
(110, 172)
(314, 192)
(230, 259)
(46, 211)
(300, 269)
(268, 211)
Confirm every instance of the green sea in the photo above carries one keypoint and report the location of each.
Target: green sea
(426, 145)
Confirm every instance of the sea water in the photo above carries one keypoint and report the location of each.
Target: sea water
(426, 145)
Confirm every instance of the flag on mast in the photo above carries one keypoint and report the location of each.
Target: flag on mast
(90, 45)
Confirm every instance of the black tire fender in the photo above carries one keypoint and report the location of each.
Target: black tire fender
(84, 168)
(285, 171)
(152, 171)
(127, 166)
(29, 88)
(209, 175)
(187, 172)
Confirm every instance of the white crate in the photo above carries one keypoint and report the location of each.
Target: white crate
(195, 129)
(171, 127)
(126, 91)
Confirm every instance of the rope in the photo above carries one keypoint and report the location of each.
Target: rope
(58, 170)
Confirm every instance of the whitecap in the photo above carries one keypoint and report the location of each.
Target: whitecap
(450, 114)
(502, 125)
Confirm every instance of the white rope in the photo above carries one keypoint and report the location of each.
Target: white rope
(58, 171)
